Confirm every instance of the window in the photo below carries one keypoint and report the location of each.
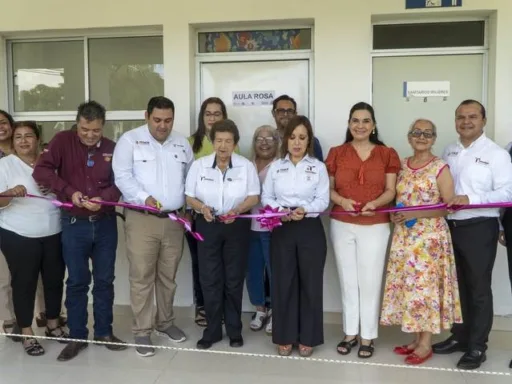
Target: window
(48, 76)
(122, 77)
(113, 129)
(246, 41)
(49, 79)
(429, 35)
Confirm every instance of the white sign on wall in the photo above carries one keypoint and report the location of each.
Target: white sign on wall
(253, 98)
(426, 89)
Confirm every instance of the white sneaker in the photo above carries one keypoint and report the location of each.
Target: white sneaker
(268, 328)
(258, 320)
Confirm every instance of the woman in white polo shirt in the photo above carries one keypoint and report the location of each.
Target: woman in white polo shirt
(30, 231)
(299, 184)
(222, 184)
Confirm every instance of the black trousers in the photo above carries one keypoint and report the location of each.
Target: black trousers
(223, 259)
(192, 245)
(475, 243)
(507, 227)
(27, 258)
(298, 251)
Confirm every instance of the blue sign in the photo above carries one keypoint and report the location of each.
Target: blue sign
(414, 4)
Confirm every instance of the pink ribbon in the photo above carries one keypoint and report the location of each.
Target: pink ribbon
(273, 213)
(55, 202)
(186, 224)
(269, 222)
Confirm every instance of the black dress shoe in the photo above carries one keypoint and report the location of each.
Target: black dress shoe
(204, 344)
(472, 360)
(448, 346)
(112, 339)
(236, 343)
(72, 350)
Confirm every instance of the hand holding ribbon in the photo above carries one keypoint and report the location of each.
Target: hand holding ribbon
(186, 224)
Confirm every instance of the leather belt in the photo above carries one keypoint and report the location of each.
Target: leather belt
(160, 215)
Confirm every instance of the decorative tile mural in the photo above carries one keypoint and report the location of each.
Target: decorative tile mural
(268, 40)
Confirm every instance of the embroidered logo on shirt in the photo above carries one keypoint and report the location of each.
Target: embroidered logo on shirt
(142, 142)
(478, 160)
(282, 170)
(204, 178)
(311, 169)
(452, 153)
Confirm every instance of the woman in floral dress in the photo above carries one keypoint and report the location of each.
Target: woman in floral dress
(421, 292)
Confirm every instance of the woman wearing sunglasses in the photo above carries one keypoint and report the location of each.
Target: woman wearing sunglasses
(421, 291)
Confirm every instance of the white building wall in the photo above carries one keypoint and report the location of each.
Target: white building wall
(342, 67)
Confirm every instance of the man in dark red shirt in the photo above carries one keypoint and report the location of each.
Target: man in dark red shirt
(77, 167)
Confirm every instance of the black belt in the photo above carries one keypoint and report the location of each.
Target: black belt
(466, 222)
(90, 218)
(160, 215)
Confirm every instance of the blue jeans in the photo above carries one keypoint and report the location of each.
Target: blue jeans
(259, 264)
(83, 239)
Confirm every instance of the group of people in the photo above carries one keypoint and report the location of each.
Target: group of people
(440, 262)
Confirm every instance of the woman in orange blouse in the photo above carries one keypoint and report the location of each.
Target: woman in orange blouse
(363, 175)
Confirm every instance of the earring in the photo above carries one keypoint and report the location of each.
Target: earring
(373, 131)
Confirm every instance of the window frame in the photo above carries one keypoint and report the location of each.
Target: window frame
(70, 116)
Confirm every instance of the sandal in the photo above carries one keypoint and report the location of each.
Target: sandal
(42, 322)
(347, 345)
(12, 329)
(366, 351)
(284, 350)
(32, 347)
(305, 351)
(59, 333)
(201, 317)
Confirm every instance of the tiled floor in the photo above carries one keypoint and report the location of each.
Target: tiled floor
(256, 362)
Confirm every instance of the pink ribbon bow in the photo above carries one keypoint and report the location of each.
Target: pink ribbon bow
(269, 218)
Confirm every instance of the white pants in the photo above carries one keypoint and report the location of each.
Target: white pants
(360, 253)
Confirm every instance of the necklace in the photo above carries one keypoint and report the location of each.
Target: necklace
(29, 163)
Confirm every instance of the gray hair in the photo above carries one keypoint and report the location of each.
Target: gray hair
(258, 131)
(422, 120)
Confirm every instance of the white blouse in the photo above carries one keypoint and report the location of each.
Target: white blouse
(29, 217)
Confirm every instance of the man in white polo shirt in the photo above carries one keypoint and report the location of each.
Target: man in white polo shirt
(482, 173)
(150, 165)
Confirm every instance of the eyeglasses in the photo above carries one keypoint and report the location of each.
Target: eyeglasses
(90, 161)
(215, 114)
(417, 134)
(261, 139)
(282, 112)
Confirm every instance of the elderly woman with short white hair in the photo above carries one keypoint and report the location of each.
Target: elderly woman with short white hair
(264, 144)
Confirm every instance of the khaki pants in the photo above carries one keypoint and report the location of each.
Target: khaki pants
(154, 248)
(6, 308)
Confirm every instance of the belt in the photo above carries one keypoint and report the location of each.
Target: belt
(90, 218)
(466, 222)
(160, 215)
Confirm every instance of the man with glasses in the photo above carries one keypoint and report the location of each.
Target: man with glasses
(77, 167)
(482, 173)
(284, 108)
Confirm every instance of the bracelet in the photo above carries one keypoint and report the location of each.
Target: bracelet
(201, 210)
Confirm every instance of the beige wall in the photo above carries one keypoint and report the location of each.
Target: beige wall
(342, 64)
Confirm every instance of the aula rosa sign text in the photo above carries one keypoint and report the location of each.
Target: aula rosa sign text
(253, 98)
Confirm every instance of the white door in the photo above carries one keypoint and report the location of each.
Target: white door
(222, 80)
(290, 77)
(394, 113)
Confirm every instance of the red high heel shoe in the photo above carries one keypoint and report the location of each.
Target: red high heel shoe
(403, 350)
(414, 359)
